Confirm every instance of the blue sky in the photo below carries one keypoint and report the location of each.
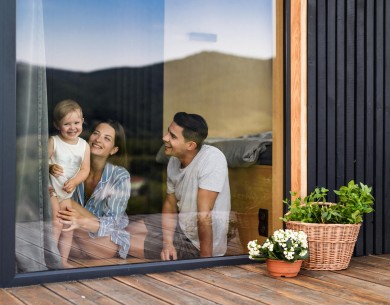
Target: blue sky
(87, 35)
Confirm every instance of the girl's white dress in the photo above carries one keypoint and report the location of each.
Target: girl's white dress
(70, 157)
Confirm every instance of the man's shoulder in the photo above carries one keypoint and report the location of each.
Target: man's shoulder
(209, 151)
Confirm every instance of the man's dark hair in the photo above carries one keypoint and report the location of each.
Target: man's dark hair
(194, 127)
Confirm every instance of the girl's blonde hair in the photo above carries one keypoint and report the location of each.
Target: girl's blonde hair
(63, 108)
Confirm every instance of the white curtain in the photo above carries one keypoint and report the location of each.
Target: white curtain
(34, 249)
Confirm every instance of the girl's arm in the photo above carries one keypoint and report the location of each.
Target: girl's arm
(82, 174)
(54, 169)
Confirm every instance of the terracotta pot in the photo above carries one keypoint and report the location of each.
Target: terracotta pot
(282, 268)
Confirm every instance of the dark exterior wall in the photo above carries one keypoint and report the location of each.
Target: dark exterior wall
(349, 105)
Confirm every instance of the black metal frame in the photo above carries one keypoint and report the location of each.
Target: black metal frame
(8, 275)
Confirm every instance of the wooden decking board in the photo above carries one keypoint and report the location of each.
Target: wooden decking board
(203, 289)
(334, 290)
(243, 286)
(353, 284)
(258, 275)
(78, 293)
(122, 293)
(163, 291)
(7, 298)
(366, 281)
(368, 276)
(38, 294)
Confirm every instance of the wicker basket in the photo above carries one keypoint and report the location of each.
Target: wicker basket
(330, 245)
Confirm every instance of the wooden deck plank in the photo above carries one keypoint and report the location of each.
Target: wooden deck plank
(372, 275)
(257, 273)
(338, 290)
(122, 293)
(8, 298)
(202, 289)
(357, 286)
(37, 294)
(366, 281)
(163, 291)
(240, 285)
(78, 293)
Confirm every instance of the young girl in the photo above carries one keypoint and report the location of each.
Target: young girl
(70, 156)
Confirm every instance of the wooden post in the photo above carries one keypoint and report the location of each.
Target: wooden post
(299, 96)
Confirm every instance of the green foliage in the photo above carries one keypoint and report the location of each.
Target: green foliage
(355, 200)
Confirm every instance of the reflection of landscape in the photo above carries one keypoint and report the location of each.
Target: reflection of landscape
(232, 93)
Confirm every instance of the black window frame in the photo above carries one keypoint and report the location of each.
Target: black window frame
(8, 274)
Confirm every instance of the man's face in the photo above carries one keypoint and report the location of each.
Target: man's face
(175, 144)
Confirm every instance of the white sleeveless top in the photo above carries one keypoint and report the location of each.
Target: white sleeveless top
(70, 157)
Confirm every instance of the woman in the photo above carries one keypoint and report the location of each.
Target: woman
(99, 218)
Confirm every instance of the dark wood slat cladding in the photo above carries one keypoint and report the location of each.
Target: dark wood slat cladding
(386, 207)
(349, 105)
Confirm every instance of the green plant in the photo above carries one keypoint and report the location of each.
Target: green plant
(287, 245)
(355, 200)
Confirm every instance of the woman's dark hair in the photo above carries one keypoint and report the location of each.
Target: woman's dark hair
(120, 158)
(194, 127)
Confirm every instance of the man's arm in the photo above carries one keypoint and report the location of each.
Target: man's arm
(206, 201)
(169, 220)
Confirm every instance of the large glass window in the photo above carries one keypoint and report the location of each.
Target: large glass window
(138, 63)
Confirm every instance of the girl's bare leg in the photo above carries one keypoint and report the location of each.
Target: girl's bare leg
(56, 225)
(66, 238)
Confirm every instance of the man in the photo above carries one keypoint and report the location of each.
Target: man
(195, 214)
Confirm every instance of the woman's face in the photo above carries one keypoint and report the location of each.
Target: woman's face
(102, 141)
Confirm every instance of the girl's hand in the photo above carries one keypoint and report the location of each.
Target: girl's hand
(56, 170)
(69, 186)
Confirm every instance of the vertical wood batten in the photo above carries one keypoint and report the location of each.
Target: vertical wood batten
(341, 92)
(369, 122)
(379, 124)
(298, 97)
(312, 94)
(350, 47)
(360, 102)
(321, 115)
(331, 96)
(386, 184)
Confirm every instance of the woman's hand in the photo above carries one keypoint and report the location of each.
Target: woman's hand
(70, 217)
(56, 170)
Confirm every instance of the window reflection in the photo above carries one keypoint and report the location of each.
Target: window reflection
(140, 62)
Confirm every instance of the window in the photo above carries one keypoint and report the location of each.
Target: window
(139, 63)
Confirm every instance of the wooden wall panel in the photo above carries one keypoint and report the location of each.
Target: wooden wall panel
(348, 102)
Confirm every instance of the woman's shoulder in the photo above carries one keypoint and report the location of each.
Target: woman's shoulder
(118, 172)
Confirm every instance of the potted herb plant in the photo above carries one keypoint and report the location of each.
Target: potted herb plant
(332, 228)
(283, 252)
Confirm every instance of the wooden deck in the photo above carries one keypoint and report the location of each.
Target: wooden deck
(366, 281)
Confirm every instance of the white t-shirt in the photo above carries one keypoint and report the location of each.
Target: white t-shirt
(209, 171)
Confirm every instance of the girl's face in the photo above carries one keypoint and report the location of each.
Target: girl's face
(102, 141)
(70, 127)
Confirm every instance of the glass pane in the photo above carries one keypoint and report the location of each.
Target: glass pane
(139, 63)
